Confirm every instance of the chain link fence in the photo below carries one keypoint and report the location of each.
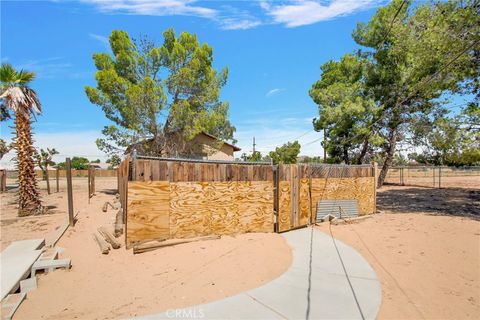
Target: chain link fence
(434, 176)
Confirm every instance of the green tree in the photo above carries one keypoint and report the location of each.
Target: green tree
(161, 96)
(114, 161)
(255, 156)
(44, 160)
(315, 159)
(413, 56)
(17, 97)
(79, 163)
(286, 154)
(4, 148)
(346, 110)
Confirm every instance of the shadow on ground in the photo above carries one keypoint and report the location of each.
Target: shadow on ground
(451, 201)
(109, 191)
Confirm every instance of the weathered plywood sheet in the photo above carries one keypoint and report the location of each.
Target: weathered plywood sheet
(284, 205)
(254, 201)
(359, 188)
(304, 201)
(203, 208)
(148, 214)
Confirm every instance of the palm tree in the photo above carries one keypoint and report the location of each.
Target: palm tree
(17, 97)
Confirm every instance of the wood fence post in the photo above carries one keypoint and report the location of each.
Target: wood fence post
(375, 172)
(47, 177)
(68, 167)
(3, 180)
(57, 177)
(89, 183)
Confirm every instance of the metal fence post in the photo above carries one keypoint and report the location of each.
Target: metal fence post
(134, 164)
(439, 177)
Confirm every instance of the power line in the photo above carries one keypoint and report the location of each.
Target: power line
(391, 23)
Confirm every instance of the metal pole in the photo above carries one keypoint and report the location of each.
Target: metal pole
(68, 167)
(324, 145)
(134, 165)
(440, 177)
(434, 177)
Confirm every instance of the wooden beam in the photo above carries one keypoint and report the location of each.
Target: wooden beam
(102, 244)
(108, 236)
(153, 245)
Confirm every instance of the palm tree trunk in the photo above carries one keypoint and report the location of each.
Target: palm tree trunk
(29, 199)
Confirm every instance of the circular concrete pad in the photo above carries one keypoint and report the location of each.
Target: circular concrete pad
(327, 280)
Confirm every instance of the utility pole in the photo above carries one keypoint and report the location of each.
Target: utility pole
(324, 145)
(254, 144)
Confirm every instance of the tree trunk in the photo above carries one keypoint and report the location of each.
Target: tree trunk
(29, 200)
(47, 178)
(392, 144)
(363, 152)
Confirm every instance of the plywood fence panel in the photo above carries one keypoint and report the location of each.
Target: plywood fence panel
(148, 211)
(203, 208)
(304, 201)
(284, 199)
(254, 201)
(359, 188)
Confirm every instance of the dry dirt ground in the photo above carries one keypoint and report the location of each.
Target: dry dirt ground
(425, 248)
(424, 245)
(120, 284)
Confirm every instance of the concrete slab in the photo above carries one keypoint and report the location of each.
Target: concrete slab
(314, 287)
(16, 262)
(28, 285)
(10, 304)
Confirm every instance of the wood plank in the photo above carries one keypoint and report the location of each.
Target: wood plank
(284, 198)
(148, 214)
(254, 201)
(304, 201)
(203, 208)
(359, 188)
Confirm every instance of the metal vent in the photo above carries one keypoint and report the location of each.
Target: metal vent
(338, 208)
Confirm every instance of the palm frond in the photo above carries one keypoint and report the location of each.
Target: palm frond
(24, 77)
(8, 74)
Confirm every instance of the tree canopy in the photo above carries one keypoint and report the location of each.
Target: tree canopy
(286, 154)
(162, 96)
(412, 57)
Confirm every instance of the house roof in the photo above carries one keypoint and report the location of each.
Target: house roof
(235, 148)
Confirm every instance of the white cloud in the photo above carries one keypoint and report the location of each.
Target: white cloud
(239, 24)
(102, 39)
(47, 68)
(68, 144)
(153, 7)
(304, 12)
(274, 92)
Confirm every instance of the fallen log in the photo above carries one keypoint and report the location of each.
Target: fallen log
(153, 245)
(119, 224)
(102, 244)
(108, 236)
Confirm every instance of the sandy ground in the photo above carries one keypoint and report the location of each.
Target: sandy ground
(425, 249)
(120, 284)
(15, 228)
(466, 182)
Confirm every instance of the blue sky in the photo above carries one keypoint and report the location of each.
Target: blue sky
(273, 50)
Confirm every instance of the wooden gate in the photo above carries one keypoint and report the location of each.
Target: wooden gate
(294, 203)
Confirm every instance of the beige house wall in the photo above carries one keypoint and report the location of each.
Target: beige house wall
(225, 152)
